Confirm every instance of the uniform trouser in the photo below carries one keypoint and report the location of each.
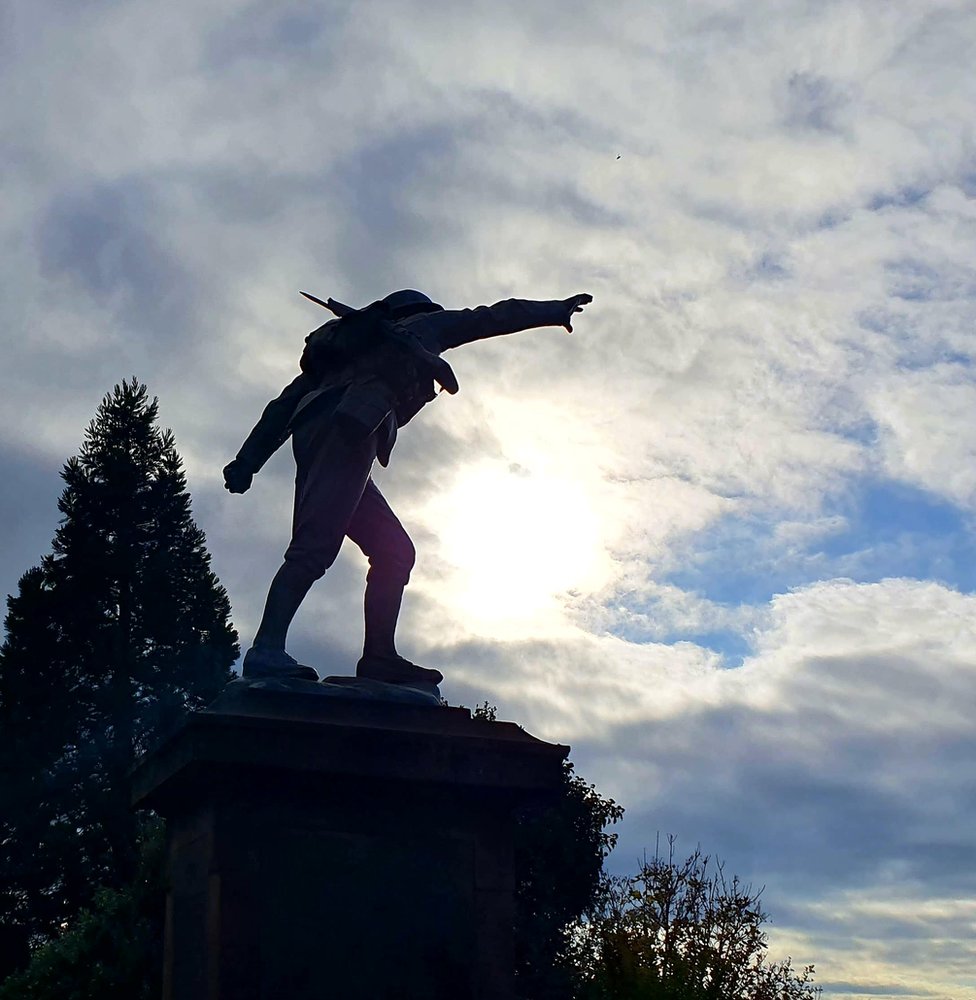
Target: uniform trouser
(336, 498)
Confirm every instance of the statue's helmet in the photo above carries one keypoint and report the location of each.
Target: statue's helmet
(407, 302)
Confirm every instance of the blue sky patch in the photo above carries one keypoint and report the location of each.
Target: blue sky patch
(893, 530)
(900, 530)
(733, 645)
(736, 562)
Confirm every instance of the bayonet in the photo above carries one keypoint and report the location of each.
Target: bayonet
(336, 308)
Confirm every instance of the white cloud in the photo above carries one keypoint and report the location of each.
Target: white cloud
(927, 432)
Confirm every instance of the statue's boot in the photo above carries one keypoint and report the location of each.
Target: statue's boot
(395, 669)
(261, 662)
(380, 660)
(267, 657)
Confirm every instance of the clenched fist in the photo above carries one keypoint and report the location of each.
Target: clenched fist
(237, 478)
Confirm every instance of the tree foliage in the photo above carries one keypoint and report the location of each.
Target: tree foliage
(121, 628)
(681, 930)
(113, 950)
(559, 855)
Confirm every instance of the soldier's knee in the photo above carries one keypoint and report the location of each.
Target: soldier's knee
(307, 564)
(400, 559)
(395, 560)
(312, 561)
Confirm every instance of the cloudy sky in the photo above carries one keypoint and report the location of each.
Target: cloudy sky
(720, 540)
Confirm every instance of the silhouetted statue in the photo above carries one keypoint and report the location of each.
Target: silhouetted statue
(364, 375)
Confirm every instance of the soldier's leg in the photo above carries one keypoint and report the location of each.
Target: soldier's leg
(330, 478)
(378, 532)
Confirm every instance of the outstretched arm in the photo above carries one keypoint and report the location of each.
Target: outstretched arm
(443, 330)
(266, 438)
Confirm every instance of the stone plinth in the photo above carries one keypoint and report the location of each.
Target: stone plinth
(334, 847)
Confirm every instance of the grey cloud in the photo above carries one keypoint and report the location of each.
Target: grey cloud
(725, 212)
(28, 513)
(773, 821)
(503, 117)
(829, 804)
(771, 266)
(813, 101)
(903, 197)
(831, 986)
(921, 281)
(108, 237)
(883, 913)
(505, 124)
(245, 194)
(283, 32)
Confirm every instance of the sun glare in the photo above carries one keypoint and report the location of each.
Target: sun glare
(516, 540)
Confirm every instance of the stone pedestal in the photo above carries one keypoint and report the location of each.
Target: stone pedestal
(335, 847)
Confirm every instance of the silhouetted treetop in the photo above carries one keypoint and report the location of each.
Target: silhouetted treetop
(120, 630)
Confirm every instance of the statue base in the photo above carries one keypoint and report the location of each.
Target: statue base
(340, 845)
(242, 691)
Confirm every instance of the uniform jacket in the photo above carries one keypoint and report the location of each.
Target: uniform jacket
(437, 331)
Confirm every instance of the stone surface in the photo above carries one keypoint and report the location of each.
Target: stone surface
(242, 692)
(354, 847)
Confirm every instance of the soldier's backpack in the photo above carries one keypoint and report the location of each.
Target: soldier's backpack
(386, 366)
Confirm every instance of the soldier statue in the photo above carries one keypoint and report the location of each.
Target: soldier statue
(363, 375)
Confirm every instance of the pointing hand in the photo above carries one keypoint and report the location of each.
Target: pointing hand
(574, 304)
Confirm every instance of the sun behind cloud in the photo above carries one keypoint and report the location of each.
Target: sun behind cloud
(515, 539)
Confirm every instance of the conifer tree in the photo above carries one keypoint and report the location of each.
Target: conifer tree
(120, 630)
